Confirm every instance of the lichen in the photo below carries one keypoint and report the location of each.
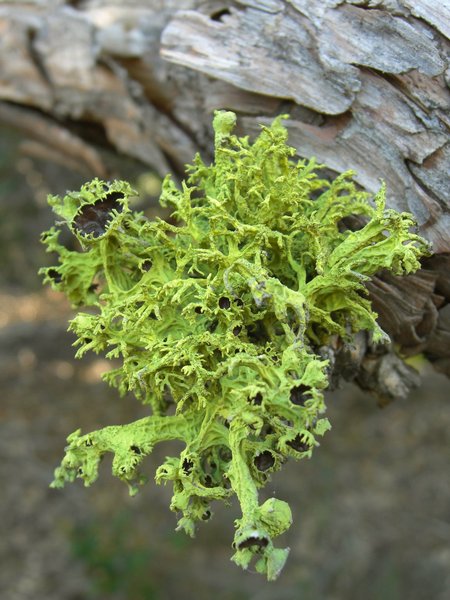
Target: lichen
(219, 312)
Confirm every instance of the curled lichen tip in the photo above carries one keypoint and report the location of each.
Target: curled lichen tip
(223, 123)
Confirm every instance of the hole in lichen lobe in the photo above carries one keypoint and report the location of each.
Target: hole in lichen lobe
(93, 219)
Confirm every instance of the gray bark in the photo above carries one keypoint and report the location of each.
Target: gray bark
(365, 83)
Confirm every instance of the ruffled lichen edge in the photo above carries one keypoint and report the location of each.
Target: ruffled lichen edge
(221, 315)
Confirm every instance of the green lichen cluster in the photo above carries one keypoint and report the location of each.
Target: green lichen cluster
(217, 315)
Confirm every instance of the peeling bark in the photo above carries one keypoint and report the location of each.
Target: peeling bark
(365, 83)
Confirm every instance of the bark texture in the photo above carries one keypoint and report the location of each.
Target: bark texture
(365, 83)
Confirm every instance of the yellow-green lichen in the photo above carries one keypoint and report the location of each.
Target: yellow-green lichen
(221, 314)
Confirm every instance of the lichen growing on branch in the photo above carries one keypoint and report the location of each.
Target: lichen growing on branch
(221, 315)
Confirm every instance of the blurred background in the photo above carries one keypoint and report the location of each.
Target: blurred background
(371, 509)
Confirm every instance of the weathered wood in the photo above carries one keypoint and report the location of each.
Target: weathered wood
(407, 307)
(358, 83)
(69, 148)
(365, 83)
(342, 63)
